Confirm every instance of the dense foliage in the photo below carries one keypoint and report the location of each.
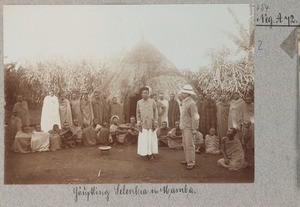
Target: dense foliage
(228, 71)
(223, 75)
(34, 81)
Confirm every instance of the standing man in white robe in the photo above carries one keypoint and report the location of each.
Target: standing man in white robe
(147, 121)
(50, 112)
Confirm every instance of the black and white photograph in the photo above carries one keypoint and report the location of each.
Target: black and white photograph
(98, 94)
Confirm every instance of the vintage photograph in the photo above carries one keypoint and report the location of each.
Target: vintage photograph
(128, 93)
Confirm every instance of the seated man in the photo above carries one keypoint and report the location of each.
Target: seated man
(175, 137)
(15, 125)
(68, 138)
(104, 134)
(117, 135)
(162, 134)
(131, 136)
(22, 140)
(232, 151)
(40, 140)
(76, 128)
(89, 134)
(199, 142)
(55, 140)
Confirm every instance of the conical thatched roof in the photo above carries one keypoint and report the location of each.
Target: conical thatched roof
(144, 65)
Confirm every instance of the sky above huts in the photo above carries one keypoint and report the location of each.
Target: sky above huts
(183, 33)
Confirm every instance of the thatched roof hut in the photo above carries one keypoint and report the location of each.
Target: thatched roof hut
(144, 65)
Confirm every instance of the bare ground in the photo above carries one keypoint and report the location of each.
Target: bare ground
(121, 165)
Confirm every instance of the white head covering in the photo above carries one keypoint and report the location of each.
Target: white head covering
(114, 116)
(150, 89)
(188, 89)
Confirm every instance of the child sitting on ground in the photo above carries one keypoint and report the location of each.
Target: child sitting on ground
(55, 141)
(212, 144)
(76, 129)
(104, 134)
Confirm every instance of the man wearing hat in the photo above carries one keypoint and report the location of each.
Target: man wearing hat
(147, 120)
(189, 122)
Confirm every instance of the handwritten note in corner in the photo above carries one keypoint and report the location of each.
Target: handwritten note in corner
(265, 19)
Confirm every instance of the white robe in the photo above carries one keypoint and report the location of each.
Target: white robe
(147, 142)
(248, 112)
(40, 141)
(50, 113)
(235, 113)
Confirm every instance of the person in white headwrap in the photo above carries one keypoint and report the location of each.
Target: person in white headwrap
(147, 121)
(116, 132)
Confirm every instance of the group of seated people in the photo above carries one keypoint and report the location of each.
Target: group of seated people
(237, 148)
(172, 138)
(28, 139)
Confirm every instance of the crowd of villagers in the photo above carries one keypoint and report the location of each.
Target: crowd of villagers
(225, 124)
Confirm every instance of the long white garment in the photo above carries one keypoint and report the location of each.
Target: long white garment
(235, 113)
(164, 117)
(248, 112)
(40, 141)
(147, 142)
(50, 113)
